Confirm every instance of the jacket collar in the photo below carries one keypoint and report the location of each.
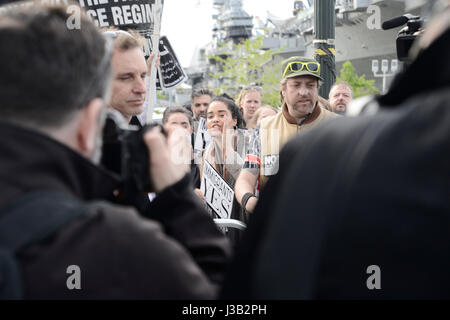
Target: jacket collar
(31, 160)
(290, 119)
(135, 121)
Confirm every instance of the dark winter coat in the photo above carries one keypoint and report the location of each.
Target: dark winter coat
(171, 251)
(360, 192)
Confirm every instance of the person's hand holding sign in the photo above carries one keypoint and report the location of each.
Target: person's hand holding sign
(228, 142)
(150, 60)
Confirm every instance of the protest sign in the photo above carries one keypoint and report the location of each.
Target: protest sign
(172, 74)
(202, 138)
(157, 14)
(123, 14)
(143, 16)
(170, 69)
(13, 5)
(136, 15)
(219, 195)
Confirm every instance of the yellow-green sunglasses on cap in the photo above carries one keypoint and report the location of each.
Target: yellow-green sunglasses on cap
(297, 66)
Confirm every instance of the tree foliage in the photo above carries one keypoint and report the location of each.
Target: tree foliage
(361, 86)
(247, 64)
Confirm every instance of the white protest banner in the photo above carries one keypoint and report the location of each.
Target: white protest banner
(202, 138)
(219, 195)
(6, 5)
(157, 14)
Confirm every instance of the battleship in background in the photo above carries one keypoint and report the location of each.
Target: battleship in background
(355, 41)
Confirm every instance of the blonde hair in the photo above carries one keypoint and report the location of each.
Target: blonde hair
(254, 121)
(125, 40)
(245, 91)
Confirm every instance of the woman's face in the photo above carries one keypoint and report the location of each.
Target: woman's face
(251, 103)
(218, 118)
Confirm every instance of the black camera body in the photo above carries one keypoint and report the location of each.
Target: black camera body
(125, 153)
(407, 35)
(404, 44)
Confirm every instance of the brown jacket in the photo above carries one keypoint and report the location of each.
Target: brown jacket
(275, 131)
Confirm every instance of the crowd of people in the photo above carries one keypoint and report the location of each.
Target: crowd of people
(235, 145)
(317, 189)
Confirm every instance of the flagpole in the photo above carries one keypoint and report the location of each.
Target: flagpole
(157, 12)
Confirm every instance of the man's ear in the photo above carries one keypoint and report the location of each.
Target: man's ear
(88, 126)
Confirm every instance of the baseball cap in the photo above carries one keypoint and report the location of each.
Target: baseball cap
(300, 66)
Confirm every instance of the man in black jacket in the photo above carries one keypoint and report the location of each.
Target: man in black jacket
(373, 223)
(54, 87)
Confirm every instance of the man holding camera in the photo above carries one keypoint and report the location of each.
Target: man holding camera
(54, 87)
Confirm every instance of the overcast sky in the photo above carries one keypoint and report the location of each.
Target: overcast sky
(188, 23)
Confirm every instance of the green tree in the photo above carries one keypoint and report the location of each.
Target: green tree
(361, 86)
(246, 64)
(161, 95)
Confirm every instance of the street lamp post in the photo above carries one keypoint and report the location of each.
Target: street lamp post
(384, 70)
(324, 28)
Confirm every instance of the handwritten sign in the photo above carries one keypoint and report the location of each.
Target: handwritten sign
(171, 72)
(219, 195)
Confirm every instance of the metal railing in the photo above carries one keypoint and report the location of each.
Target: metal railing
(230, 223)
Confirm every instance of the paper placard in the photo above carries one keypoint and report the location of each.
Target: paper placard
(202, 138)
(219, 195)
